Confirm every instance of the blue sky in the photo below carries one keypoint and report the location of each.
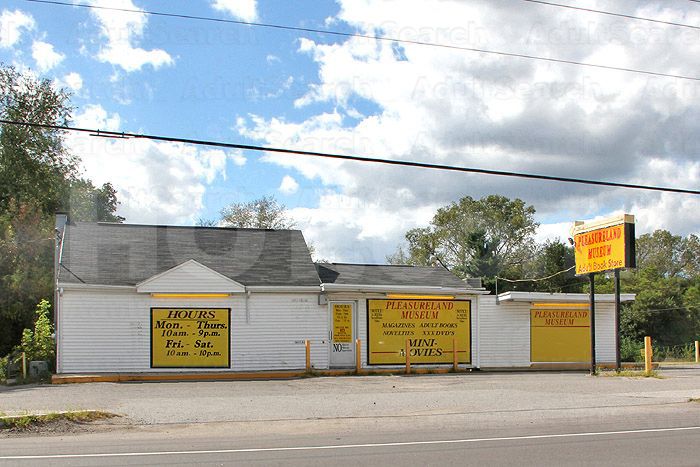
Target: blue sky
(236, 83)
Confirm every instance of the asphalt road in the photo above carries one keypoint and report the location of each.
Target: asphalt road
(217, 445)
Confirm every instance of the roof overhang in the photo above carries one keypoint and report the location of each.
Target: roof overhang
(95, 287)
(544, 297)
(283, 289)
(417, 289)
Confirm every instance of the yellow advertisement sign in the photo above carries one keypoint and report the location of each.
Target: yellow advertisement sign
(603, 249)
(342, 323)
(429, 326)
(190, 337)
(560, 334)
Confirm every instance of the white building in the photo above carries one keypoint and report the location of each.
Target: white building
(138, 299)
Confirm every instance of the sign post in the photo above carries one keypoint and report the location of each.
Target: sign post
(605, 245)
(617, 320)
(591, 278)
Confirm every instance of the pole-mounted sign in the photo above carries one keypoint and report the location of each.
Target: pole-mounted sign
(604, 245)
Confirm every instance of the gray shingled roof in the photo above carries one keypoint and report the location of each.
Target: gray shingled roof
(126, 254)
(376, 274)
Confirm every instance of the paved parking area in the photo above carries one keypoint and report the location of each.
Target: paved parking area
(488, 394)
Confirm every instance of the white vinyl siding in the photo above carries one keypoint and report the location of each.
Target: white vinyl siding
(504, 332)
(190, 277)
(605, 332)
(109, 331)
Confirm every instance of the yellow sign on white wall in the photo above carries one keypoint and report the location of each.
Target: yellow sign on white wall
(429, 325)
(190, 337)
(560, 333)
(342, 323)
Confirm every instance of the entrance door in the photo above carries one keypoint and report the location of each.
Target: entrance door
(342, 334)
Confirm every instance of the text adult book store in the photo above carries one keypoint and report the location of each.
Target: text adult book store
(140, 299)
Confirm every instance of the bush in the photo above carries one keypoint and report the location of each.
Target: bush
(39, 344)
(674, 353)
(630, 350)
(3, 369)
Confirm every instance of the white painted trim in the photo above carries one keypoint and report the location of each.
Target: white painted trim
(561, 297)
(256, 288)
(372, 288)
(236, 286)
(283, 289)
(97, 287)
(587, 226)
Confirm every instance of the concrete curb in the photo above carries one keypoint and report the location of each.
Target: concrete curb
(242, 376)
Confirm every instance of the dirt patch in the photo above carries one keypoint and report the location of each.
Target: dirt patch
(57, 423)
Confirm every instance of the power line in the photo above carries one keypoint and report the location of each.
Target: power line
(610, 13)
(537, 279)
(423, 165)
(373, 37)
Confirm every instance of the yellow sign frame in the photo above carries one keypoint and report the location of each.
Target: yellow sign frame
(176, 342)
(434, 342)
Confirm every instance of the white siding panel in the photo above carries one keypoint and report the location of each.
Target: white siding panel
(504, 333)
(110, 331)
(605, 332)
(104, 332)
(273, 339)
(191, 277)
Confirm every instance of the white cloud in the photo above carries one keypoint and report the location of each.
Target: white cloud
(95, 116)
(462, 108)
(155, 182)
(12, 23)
(123, 30)
(554, 231)
(237, 158)
(45, 56)
(288, 186)
(344, 228)
(73, 81)
(245, 10)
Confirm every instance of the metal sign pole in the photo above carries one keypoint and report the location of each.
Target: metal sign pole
(617, 320)
(591, 278)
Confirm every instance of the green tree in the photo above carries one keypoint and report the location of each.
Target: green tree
(26, 269)
(38, 176)
(658, 309)
(35, 166)
(552, 266)
(262, 213)
(667, 288)
(670, 255)
(474, 238)
(91, 204)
